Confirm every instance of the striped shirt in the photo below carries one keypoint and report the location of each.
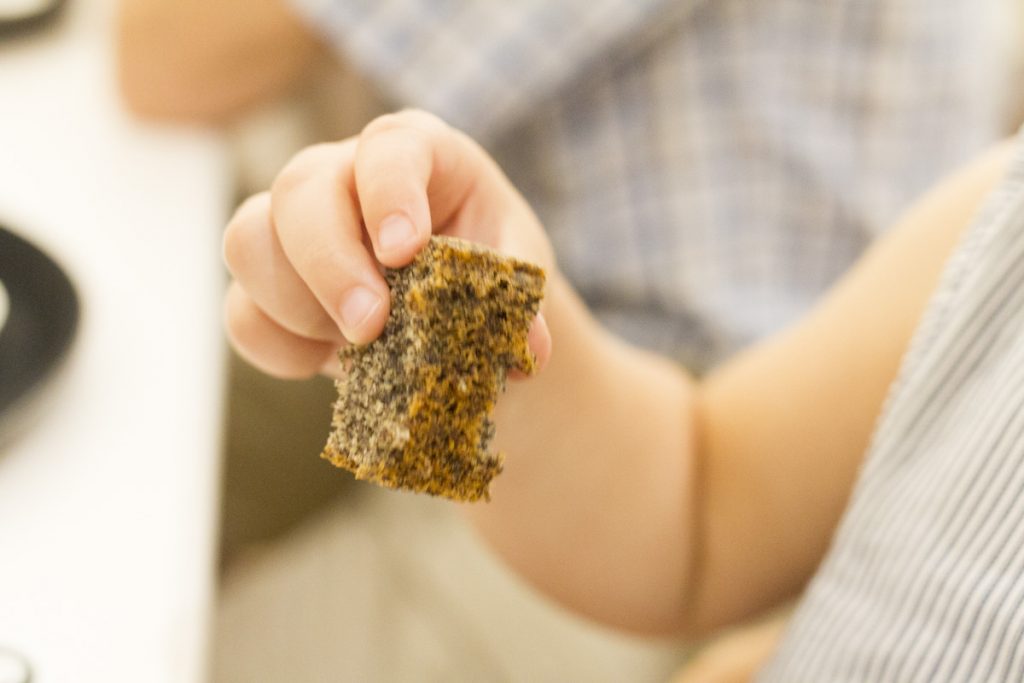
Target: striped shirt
(705, 168)
(925, 577)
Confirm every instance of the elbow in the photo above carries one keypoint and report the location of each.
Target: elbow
(160, 76)
(220, 72)
(166, 102)
(151, 98)
(161, 85)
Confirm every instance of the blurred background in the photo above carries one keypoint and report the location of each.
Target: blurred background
(164, 515)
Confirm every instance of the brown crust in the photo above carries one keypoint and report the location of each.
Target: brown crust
(413, 408)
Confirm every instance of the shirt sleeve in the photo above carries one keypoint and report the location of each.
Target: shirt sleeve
(483, 64)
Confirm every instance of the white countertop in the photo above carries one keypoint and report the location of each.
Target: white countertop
(108, 500)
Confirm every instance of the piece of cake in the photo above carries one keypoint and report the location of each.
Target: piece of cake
(413, 408)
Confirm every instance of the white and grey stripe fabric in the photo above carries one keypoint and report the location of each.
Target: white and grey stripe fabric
(925, 577)
(705, 167)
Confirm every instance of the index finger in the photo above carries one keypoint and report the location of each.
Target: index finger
(318, 225)
(413, 176)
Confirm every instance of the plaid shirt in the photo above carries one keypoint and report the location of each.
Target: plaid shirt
(705, 168)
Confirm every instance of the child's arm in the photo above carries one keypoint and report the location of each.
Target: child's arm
(197, 60)
(631, 494)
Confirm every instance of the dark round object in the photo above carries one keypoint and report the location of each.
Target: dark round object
(41, 319)
(29, 22)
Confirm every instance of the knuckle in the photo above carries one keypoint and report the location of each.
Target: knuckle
(239, 231)
(381, 124)
(408, 119)
(238, 321)
(420, 118)
(301, 167)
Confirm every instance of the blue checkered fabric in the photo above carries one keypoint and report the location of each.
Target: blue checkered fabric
(705, 168)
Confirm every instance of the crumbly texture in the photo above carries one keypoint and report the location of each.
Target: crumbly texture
(413, 408)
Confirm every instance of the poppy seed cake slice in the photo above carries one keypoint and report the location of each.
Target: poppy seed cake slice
(413, 408)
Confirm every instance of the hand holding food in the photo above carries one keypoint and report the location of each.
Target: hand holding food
(309, 259)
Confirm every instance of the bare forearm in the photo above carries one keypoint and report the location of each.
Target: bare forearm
(785, 426)
(631, 494)
(643, 500)
(206, 60)
(594, 500)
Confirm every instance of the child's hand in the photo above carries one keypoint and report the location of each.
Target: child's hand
(306, 256)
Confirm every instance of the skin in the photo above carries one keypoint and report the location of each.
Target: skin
(209, 60)
(736, 657)
(191, 60)
(633, 494)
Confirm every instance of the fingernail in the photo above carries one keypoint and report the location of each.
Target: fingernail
(358, 305)
(395, 230)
